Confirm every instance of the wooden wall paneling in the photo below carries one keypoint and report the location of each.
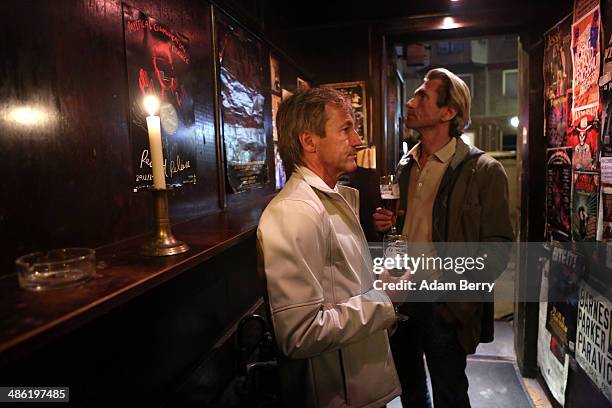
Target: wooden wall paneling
(146, 348)
(69, 175)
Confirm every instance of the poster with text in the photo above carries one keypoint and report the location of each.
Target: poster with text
(558, 60)
(585, 68)
(593, 339)
(553, 371)
(566, 269)
(159, 63)
(242, 84)
(556, 121)
(584, 205)
(558, 193)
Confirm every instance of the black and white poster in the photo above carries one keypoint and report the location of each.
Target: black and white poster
(593, 338)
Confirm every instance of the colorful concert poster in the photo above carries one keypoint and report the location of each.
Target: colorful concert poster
(584, 205)
(583, 138)
(558, 193)
(586, 63)
(556, 121)
(558, 60)
(566, 269)
(242, 83)
(158, 63)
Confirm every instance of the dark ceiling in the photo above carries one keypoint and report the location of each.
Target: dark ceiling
(399, 17)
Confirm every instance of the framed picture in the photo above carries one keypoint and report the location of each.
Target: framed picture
(243, 85)
(356, 93)
(275, 83)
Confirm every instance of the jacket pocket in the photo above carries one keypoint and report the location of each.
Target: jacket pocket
(470, 223)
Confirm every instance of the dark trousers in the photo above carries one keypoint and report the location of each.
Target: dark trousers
(428, 333)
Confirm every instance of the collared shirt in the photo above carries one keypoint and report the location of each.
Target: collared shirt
(423, 187)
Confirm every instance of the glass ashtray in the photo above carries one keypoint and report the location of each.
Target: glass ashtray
(57, 268)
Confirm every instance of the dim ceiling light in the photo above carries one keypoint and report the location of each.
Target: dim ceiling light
(448, 23)
(514, 121)
(27, 116)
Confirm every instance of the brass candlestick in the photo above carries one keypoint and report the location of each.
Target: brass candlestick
(163, 242)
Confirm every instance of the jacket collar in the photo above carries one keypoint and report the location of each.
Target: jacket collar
(314, 181)
(443, 154)
(462, 152)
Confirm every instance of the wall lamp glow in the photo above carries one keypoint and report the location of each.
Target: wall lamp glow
(28, 116)
(448, 23)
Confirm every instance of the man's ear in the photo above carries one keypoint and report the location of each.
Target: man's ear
(449, 113)
(309, 142)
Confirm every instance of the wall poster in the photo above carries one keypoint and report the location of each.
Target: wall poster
(584, 205)
(558, 193)
(566, 269)
(159, 63)
(356, 94)
(553, 371)
(557, 82)
(586, 52)
(242, 85)
(594, 338)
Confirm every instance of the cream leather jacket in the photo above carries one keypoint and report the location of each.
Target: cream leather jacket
(328, 320)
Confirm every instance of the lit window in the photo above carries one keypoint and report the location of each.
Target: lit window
(509, 82)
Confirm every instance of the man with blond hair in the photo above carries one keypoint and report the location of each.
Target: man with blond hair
(329, 322)
(449, 192)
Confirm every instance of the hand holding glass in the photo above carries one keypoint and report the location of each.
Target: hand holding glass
(390, 194)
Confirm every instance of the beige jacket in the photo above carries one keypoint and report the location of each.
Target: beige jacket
(328, 321)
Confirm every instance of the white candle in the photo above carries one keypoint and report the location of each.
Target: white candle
(157, 154)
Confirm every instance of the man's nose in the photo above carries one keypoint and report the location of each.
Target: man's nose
(410, 103)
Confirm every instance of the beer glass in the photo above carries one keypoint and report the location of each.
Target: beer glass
(393, 243)
(390, 194)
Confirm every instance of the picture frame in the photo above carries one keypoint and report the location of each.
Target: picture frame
(355, 91)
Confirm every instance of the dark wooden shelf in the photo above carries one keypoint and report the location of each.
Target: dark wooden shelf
(29, 320)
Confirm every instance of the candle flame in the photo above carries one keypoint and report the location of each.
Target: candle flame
(151, 104)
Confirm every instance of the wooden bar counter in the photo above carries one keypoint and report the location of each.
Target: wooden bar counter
(136, 307)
